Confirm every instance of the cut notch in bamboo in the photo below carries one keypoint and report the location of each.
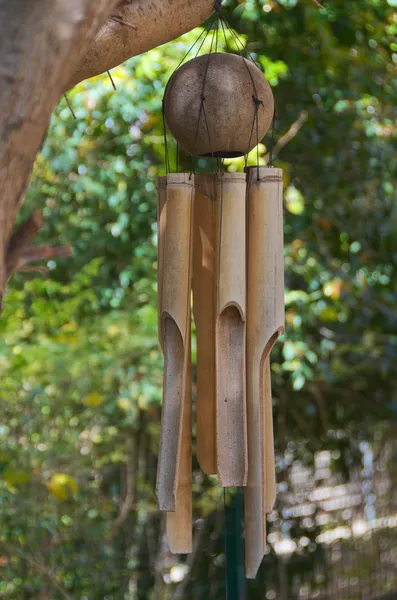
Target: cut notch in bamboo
(175, 288)
(265, 322)
(268, 461)
(204, 308)
(179, 523)
(231, 424)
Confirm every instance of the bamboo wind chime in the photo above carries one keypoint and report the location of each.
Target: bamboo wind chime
(220, 239)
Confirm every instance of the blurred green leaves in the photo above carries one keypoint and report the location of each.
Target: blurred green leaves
(80, 364)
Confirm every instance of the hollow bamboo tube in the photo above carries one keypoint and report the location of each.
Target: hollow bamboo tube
(265, 322)
(268, 462)
(175, 325)
(179, 523)
(204, 308)
(161, 221)
(231, 424)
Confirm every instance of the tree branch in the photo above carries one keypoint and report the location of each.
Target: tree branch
(322, 406)
(289, 136)
(41, 568)
(147, 24)
(40, 44)
(129, 499)
(26, 232)
(35, 253)
(23, 236)
(18, 255)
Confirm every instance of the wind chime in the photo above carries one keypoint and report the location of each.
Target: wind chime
(220, 239)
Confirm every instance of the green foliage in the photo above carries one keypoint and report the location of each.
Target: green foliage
(79, 359)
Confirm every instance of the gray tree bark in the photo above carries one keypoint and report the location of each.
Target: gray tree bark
(40, 44)
(46, 46)
(141, 26)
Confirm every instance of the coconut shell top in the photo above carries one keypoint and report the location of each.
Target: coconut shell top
(225, 123)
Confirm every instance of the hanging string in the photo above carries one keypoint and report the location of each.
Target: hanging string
(111, 80)
(238, 41)
(224, 34)
(203, 36)
(202, 100)
(69, 105)
(202, 105)
(217, 30)
(256, 100)
(255, 121)
(257, 142)
(204, 32)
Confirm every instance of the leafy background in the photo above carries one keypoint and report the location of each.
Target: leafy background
(80, 364)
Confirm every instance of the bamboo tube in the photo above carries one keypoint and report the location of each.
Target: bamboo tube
(265, 322)
(268, 462)
(161, 221)
(204, 308)
(175, 335)
(179, 523)
(231, 424)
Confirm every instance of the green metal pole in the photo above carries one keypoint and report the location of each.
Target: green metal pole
(234, 547)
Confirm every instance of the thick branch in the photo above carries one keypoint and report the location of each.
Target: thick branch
(40, 43)
(151, 23)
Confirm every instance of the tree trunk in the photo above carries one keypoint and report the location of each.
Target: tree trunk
(48, 45)
(40, 44)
